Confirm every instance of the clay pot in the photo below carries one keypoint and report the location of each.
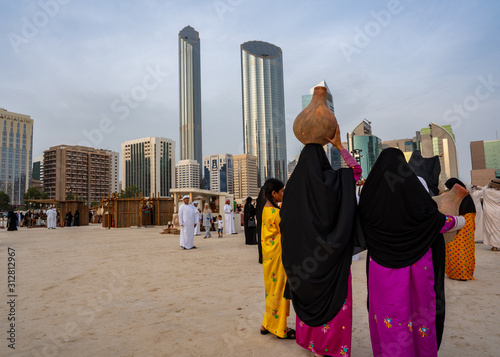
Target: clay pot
(316, 122)
(449, 204)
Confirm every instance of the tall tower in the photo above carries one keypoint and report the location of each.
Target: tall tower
(16, 145)
(264, 132)
(190, 95)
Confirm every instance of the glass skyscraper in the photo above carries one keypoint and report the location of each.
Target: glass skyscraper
(15, 154)
(190, 95)
(264, 108)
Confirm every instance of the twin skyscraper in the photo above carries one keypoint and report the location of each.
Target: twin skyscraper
(264, 133)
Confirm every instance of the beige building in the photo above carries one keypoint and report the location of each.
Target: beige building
(81, 171)
(148, 163)
(15, 154)
(114, 171)
(245, 176)
(485, 157)
(187, 174)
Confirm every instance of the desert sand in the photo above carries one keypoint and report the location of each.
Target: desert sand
(89, 291)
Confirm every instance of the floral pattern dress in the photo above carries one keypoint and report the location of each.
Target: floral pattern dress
(277, 307)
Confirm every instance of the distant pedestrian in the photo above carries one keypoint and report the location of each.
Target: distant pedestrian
(197, 218)
(207, 220)
(11, 221)
(220, 226)
(229, 216)
(76, 218)
(68, 219)
(249, 222)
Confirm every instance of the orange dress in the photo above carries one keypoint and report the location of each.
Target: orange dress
(460, 252)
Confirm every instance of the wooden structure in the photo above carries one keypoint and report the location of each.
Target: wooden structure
(137, 211)
(72, 206)
(63, 207)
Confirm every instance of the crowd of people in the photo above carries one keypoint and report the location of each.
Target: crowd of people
(308, 241)
(49, 217)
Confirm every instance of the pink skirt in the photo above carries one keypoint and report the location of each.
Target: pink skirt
(334, 337)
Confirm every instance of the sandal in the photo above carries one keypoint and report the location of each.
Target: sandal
(494, 249)
(264, 332)
(290, 334)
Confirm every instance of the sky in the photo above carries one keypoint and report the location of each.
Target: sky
(103, 72)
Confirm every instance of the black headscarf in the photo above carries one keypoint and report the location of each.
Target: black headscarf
(467, 205)
(401, 222)
(317, 219)
(399, 218)
(427, 168)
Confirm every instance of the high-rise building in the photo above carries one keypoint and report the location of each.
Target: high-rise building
(190, 96)
(364, 146)
(219, 173)
(15, 154)
(485, 156)
(245, 176)
(148, 163)
(440, 140)
(187, 173)
(264, 133)
(37, 172)
(78, 171)
(114, 171)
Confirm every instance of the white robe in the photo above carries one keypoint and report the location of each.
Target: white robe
(187, 221)
(491, 216)
(197, 221)
(52, 218)
(477, 196)
(229, 217)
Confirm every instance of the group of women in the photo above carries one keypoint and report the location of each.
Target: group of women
(307, 249)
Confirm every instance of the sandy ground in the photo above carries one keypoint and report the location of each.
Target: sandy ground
(88, 291)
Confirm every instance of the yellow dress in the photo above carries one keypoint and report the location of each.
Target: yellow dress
(277, 307)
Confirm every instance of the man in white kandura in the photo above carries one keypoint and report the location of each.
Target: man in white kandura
(229, 218)
(51, 218)
(196, 218)
(187, 223)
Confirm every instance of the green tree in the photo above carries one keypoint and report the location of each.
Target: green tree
(70, 196)
(4, 201)
(130, 191)
(33, 193)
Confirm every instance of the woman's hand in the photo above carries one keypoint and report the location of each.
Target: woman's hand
(336, 141)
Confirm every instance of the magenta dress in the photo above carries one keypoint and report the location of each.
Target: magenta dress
(333, 338)
(402, 316)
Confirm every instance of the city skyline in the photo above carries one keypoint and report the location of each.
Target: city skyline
(84, 74)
